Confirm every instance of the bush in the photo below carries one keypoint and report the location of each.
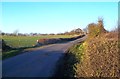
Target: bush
(93, 30)
(96, 29)
(4, 46)
(101, 57)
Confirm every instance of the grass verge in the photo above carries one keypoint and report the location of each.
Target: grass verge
(15, 51)
(11, 53)
(68, 63)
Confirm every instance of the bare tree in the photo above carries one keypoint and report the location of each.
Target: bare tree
(85, 30)
(16, 32)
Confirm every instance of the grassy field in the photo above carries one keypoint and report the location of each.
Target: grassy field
(21, 43)
(28, 41)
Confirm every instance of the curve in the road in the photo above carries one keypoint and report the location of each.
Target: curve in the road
(38, 63)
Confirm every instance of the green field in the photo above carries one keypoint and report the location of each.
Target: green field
(28, 41)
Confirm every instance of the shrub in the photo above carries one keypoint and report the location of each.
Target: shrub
(100, 26)
(101, 57)
(4, 46)
(96, 29)
(93, 30)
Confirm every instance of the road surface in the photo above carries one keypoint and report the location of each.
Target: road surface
(37, 63)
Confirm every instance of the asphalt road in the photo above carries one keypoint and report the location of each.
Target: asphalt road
(37, 63)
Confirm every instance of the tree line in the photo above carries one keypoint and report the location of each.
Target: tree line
(77, 31)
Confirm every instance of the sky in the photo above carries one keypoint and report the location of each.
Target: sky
(56, 17)
(60, 0)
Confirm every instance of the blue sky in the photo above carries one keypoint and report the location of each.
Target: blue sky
(56, 17)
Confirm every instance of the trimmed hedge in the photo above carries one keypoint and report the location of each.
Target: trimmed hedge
(57, 40)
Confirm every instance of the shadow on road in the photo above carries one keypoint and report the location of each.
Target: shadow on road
(65, 66)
